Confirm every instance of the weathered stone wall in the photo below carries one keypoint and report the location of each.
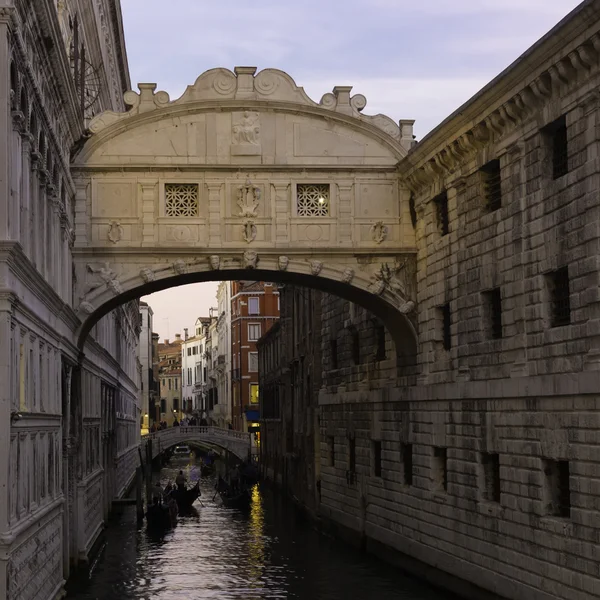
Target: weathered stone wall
(488, 466)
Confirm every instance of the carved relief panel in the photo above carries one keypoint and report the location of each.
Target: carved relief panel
(114, 210)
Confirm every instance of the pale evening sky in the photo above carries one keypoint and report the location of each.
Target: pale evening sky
(411, 59)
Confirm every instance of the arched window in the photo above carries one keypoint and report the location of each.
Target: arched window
(23, 102)
(14, 86)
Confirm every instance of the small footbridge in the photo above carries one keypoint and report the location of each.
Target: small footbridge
(236, 442)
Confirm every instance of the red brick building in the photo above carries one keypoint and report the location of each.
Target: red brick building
(254, 310)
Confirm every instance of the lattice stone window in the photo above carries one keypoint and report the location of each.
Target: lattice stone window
(181, 199)
(312, 199)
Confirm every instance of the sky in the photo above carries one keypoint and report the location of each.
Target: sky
(411, 59)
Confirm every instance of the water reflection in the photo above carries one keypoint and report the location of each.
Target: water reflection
(220, 553)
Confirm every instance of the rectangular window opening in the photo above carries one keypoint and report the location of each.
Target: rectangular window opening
(446, 327)
(559, 292)
(440, 469)
(253, 332)
(355, 347)
(181, 199)
(331, 446)
(492, 189)
(377, 458)
(443, 219)
(491, 476)
(253, 306)
(556, 133)
(407, 463)
(333, 353)
(352, 454)
(493, 310)
(558, 492)
(380, 333)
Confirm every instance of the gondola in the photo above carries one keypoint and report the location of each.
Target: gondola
(240, 500)
(185, 498)
(160, 516)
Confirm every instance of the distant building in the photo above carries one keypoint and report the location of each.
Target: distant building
(254, 310)
(145, 356)
(169, 374)
(290, 367)
(221, 368)
(195, 368)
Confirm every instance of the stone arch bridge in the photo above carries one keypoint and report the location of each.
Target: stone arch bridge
(236, 442)
(244, 176)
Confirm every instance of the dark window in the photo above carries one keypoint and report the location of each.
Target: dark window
(175, 403)
(440, 469)
(352, 454)
(355, 347)
(446, 323)
(380, 355)
(558, 288)
(441, 206)
(377, 458)
(163, 405)
(558, 492)
(493, 308)
(331, 444)
(492, 189)
(557, 136)
(413, 212)
(407, 462)
(491, 475)
(334, 353)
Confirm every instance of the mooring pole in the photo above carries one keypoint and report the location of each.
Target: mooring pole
(139, 475)
(148, 471)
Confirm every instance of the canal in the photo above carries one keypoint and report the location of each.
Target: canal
(218, 553)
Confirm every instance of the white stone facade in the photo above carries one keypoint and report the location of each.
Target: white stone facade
(146, 358)
(68, 420)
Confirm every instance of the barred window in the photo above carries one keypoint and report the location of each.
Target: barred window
(443, 218)
(492, 188)
(559, 290)
(493, 310)
(312, 200)
(556, 134)
(181, 199)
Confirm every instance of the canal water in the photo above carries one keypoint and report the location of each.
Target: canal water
(268, 552)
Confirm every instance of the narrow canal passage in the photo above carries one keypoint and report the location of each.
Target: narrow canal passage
(219, 553)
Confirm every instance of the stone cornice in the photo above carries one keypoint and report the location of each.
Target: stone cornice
(19, 264)
(555, 62)
(119, 36)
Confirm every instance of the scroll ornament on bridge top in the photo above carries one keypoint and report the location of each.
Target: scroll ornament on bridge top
(244, 83)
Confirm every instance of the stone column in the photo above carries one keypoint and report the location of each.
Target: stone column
(82, 213)
(18, 121)
(148, 197)
(344, 213)
(25, 219)
(215, 218)
(281, 233)
(5, 123)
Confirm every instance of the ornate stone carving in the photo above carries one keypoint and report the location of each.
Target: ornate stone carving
(86, 307)
(215, 262)
(348, 275)
(115, 232)
(147, 274)
(180, 266)
(114, 286)
(397, 281)
(282, 263)
(249, 231)
(247, 130)
(379, 232)
(248, 199)
(245, 135)
(250, 259)
(315, 267)
(103, 273)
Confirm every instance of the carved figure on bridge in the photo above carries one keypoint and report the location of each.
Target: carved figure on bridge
(106, 276)
(347, 275)
(115, 232)
(249, 231)
(379, 232)
(250, 259)
(388, 278)
(215, 262)
(282, 263)
(247, 130)
(248, 199)
(180, 267)
(147, 274)
(315, 267)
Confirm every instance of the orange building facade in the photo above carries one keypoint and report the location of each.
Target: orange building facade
(254, 310)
